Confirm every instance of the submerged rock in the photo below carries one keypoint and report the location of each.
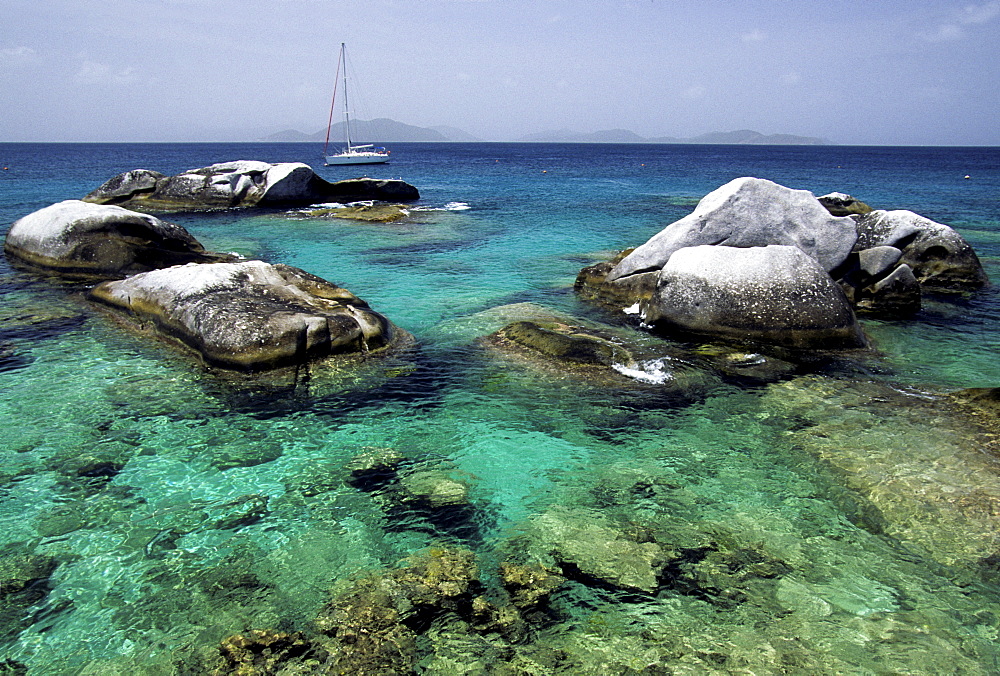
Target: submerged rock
(20, 570)
(925, 468)
(24, 582)
(243, 183)
(529, 586)
(77, 239)
(434, 488)
(566, 343)
(394, 621)
(372, 213)
(374, 467)
(600, 357)
(269, 652)
(586, 546)
(249, 316)
(372, 623)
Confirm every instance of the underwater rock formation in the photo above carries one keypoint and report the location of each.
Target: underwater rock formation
(587, 546)
(386, 622)
(249, 316)
(565, 343)
(242, 183)
(371, 213)
(261, 651)
(600, 357)
(416, 496)
(91, 241)
(24, 581)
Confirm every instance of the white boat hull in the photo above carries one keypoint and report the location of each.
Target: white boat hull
(357, 158)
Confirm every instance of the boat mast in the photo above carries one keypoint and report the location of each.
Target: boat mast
(333, 103)
(347, 114)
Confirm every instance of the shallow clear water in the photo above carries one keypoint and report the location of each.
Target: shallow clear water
(170, 508)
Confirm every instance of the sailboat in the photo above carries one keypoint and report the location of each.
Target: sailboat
(352, 154)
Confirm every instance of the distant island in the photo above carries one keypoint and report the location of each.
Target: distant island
(391, 131)
(741, 137)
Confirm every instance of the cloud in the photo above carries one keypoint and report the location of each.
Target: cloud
(791, 77)
(695, 92)
(14, 56)
(21, 52)
(92, 72)
(754, 36)
(16, 59)
(970, 15)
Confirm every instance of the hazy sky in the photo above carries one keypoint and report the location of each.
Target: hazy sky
(864, 72)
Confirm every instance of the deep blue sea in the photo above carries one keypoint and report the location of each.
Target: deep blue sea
(149, 508)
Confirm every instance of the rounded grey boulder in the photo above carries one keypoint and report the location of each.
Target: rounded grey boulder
(774, 294)
(76, 239)
(749, 212)
(249, 316)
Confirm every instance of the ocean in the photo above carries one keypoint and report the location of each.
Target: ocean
(842, 519)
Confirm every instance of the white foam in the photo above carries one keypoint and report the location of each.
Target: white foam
(450, 206)
(653, 371)
(631, 309)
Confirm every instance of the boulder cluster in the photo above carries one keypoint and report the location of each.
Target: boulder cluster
(242, 184)
(758, 262)
(238, 315)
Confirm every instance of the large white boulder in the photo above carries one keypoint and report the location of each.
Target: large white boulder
(249, 316)
(773, 294)
(78, 239)
(749, 212)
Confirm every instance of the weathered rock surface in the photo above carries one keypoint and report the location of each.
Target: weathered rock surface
(243, 183)
(600, 357)
(567, 343)
(875, 281)
(940, 258)
(839, 204)
(749, 212)
(370, 213)
(896, 294)
(592, 282)
(776, 294)
(76, 239)
(249, 316)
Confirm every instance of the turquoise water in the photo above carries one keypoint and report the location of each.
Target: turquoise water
(155, 508)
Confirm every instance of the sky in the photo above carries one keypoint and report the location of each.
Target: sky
(872, 72)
